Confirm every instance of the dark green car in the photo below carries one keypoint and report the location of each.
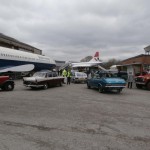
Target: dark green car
(105, 81)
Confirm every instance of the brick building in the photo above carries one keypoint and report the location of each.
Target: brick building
(138, 64)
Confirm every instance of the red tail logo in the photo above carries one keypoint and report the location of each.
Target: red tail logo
(96, 54)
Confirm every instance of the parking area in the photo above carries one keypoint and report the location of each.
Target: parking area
(73, 117)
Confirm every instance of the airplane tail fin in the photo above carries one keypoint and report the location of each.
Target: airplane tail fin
(95, 58)
(96, 54)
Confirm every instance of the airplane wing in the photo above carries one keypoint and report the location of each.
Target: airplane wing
(86, 64)
(93, 62)
(21, 68)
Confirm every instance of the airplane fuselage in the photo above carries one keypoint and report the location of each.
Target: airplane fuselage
(10, 58)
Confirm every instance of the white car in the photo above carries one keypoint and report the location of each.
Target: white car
(78, 77)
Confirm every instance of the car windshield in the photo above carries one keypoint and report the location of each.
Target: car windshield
(80, 74)
(39, 74)
(105, 75)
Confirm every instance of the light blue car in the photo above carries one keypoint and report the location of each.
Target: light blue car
(105, 81)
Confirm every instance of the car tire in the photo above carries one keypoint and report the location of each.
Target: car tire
(45, 86)
(88, 86)
(119, 90)
(8, 86)
(60, 83)
(33, 88)
(100, 90)
(148, 86)
(139, 86)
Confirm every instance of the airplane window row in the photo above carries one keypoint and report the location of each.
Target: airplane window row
(22, 57)
(43, 58)
(14, 56)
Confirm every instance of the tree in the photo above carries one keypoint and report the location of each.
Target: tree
(111, 62)
(86, 59)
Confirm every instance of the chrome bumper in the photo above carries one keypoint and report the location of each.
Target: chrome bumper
(140, 83)
(36, 86)
(115, 86)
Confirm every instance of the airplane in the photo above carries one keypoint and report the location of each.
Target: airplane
(20, 61)
(93, 62)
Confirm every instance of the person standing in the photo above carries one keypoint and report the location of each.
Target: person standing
(130, 80)
(64, 74)
(68, 76)
(119, 74)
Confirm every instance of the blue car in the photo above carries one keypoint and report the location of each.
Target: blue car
(105, 81)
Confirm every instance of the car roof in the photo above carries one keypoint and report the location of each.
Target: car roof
(46, 71)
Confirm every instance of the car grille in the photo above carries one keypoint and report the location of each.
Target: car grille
(115, 85)
(29, 83)
(118, 84)
(139, 79)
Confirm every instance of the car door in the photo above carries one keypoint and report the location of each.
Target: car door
(97, 80)
(93, 81)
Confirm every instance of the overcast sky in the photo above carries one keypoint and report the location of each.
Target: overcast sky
(73, 29)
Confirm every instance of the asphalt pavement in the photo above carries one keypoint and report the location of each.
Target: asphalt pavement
(73, 117)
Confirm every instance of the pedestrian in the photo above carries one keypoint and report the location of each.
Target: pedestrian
(130, 80)
(119, 74)
(64, 74)
(68, 76)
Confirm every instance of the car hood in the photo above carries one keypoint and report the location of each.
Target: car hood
(114, 80)
(32, 78)
(143, 76)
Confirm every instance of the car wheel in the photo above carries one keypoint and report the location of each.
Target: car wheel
(9, 86)
(139, 86)
(100, 90)
(148, 86)
(3, 88)
(60, 83)
(119, 90)
(33, 88)
(45, 86)
(88, 86)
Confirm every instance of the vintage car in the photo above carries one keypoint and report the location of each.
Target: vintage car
(6, 83)
(79, 77)
(43, 79)
(105, 81)
(143, 80)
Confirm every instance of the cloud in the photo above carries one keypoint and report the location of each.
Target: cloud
(73, 29)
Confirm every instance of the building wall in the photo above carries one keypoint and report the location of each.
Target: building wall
(144, 59)
(137, 64)
(8, 42)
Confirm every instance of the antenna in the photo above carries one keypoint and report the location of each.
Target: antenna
(147, 50)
